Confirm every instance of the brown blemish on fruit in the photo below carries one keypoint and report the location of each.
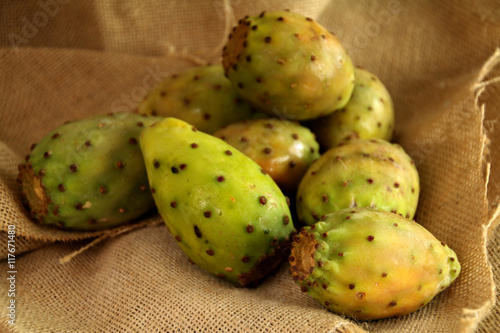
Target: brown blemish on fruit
(341, 254)
(182, 166)
(245, 259)
(360, 295)
(153, 190)
(393, 303)
(61, 188)
(325, 198)
(197, 231)
(292, 164)
(173, 204)
(73, 168)
(140, 124)
(121, 210)
(132, 141)
(351, 286)
(280, 61)
(228, 152)
(119, 165)
(210, 252)
(78, 206)
(286, 220)
(384, 274)
(263, 200)
(267, 39)
(313, 57)
(102, 189)
(267, 150)
(174, 170)
(250, 228)
(207, 214)
(370, 181)
(370, 238)
(178, 238)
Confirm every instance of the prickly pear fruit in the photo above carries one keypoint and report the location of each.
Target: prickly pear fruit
(369, 114)
(359, 173)
(201, 96)
(288, 65)
(88, 174)
(283, 148)
(370, 264)
(229, 217)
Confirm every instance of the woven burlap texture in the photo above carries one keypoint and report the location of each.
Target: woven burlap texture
(65, 60)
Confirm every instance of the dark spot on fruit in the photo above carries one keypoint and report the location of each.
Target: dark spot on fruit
(286, 220)
(197, 231)
(46, 154)
(254, 27)
(262, 200)
(240, 85)
(250, 228)
(267, 39)
(370, 238)
(140, 124)
(281, 61)
(245, 259)
(87, 143)
(393, 303)
(267, 150)
(369, 180)
(207, 213)
(55, 136)
(407, 215)
(73, 168)
(287, 201)
(174, 170)
(103, 189)
(194, 145)
(295, 136)
(309, 19)
(178, 238)
(341, 254)
(243, 139)
(186, 101)
(347, 217)
(61, 188)
(264, 172)
(327, 303)
(324, 235)
(360, 295)
(351, 286)
(304, 289)
(119, 164)
(313, 57)
(280, 18)
(26, 158)
(220, 179)
(210, 252)
(121, 210)
(312, 150)
(292, 164)
(41, 173)
(395, 224)
(33, 145)
(163, 93)
(173, 204)
(396, 185)
(384, 274)
(182, 166)
(132, 141)
(79, 206)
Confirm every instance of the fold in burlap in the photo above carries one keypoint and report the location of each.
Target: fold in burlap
(437, 60)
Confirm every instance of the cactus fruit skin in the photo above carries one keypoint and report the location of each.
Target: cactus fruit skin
(88, 174)
(370, 264)
(201, 96)
(288, 65)
(283, 148)
(369, 114)
(360, 173)
(227, 216)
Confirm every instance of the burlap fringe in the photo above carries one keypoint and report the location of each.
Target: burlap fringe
(108, 234)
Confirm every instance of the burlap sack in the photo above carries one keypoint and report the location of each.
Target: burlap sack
(64, 60)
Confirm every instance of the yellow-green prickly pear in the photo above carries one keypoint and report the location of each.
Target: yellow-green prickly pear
(370, 264)
(228, 216)
(369, 114)
(359, 173)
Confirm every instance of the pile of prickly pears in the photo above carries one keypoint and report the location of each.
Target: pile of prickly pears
(219, 150)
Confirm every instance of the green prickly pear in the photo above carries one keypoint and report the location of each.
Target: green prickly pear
(359, 173)
(370, 264)
(88, 174)
(201, 96)
(228, 216)
(288, 65)
(283, 148)
(369, 114)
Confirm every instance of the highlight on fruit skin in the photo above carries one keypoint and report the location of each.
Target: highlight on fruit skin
(368, 264)
(225, 212)
(288, 65)
(88, 174)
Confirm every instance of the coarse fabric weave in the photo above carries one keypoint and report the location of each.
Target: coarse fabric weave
(64, 60)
